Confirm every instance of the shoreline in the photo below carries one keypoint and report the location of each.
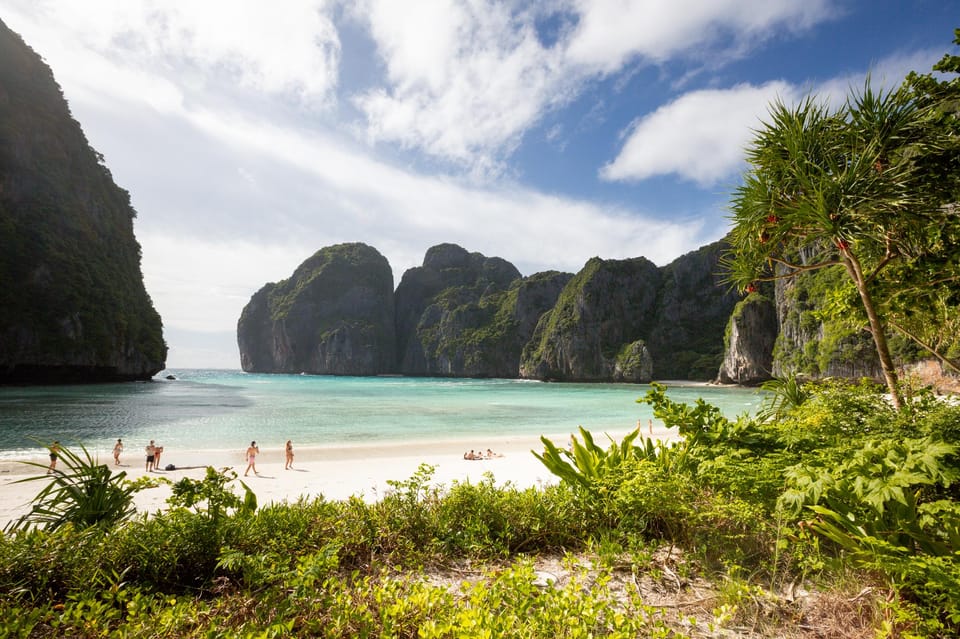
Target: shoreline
(333, 472)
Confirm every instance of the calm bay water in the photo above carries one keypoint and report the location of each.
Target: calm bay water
(207, 409)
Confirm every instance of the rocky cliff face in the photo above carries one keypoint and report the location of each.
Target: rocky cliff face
(809, 344)
(334, 316)
(789, 335)
(686, 339)
(749, 346)
(596, 324)
(73, 307)
(463, 314)
(449, 319)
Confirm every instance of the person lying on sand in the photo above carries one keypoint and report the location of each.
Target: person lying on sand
(490, 454)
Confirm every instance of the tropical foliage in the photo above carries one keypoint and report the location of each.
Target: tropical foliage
(851, 187)
(839, 494)
(86, 493)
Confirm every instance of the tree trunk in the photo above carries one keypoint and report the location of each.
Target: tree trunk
(876, 327)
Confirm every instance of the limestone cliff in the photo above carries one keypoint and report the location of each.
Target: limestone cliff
(333, 316)
(816, 346)
(789, 334)
(748, 358)
(592, 332)
(73, 307)
(686, 339)
(450, 317)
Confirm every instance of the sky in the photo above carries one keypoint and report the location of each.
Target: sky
(251, 134)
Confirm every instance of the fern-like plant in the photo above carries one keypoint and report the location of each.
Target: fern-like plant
(85, 493)
(786, 394)
(586, 464)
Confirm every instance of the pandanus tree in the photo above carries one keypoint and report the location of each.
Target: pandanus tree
(843, 187)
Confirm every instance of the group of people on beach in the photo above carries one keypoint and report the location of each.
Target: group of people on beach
(154, 452)
(471, 455)
(153, 455)
(253, 450)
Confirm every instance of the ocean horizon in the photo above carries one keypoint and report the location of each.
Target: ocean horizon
(205, 409)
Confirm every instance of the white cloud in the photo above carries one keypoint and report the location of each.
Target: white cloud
(202, 284)
(611, 32)
(294, 51)
(402, 214)
(466, 79)
(699, 136)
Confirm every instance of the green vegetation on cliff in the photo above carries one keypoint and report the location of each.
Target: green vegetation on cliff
(73, 306)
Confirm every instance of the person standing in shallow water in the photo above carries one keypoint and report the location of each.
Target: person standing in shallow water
(252, 452)
(289, 464)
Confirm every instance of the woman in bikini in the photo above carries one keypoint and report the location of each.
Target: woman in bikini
(252, 452)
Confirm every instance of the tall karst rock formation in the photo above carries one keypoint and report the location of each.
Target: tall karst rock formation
(463, 314)
(782, 330)
(333, 316)
(467, 315)
(73, 307)
(595, 331)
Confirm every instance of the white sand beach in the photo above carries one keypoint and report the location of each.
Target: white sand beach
(333, 472)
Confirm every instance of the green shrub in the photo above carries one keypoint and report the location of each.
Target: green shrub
(41, 564)
(83, 494)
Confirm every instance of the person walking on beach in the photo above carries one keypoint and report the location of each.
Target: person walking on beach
(54, 455)
(252, 452)
(289, 455)
(151, 452)
(117, 449)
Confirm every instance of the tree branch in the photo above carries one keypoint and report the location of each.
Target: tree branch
(927, 347)
(798, 268)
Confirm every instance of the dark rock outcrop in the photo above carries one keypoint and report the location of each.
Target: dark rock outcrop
(73, 307)
(334, 316)
(449, 317)
(600, 315)
(686, 340)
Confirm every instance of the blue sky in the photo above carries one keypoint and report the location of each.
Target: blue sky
(251, 134)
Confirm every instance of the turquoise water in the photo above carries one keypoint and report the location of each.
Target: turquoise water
(206, 409)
